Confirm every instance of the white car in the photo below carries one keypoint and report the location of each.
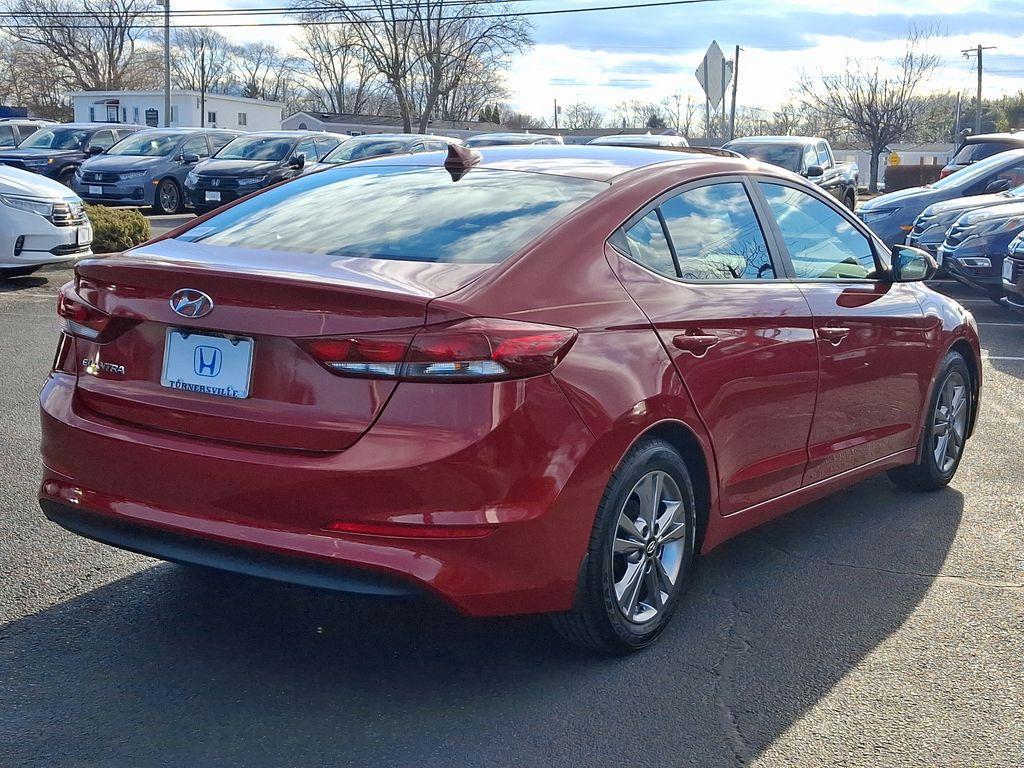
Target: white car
(41, 222)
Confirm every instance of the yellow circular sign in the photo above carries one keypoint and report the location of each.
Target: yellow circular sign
(894, 158)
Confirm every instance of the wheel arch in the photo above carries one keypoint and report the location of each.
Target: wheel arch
(685, 441)
(964, 349)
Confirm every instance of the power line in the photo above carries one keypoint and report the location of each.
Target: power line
(331, 22)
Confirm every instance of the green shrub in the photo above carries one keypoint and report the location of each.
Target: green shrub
(116, 229)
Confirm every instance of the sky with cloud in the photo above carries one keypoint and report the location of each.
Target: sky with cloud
(648, 54)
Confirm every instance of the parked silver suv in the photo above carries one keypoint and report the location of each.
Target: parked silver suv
(149, 167)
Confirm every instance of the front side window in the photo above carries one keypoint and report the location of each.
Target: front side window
(220, 140)
(400, 212)
(308, 148)
(823, 156)
(102, 139)
(716, 235)
(822, 243)
(7, 136)
(196, 145)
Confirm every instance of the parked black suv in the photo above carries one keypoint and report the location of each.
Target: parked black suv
(251, 162)
(975, 148)
(57, 150)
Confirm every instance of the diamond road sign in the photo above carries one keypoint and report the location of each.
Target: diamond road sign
(714, 74)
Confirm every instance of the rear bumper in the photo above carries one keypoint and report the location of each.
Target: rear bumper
(522, 478)
(195, 551)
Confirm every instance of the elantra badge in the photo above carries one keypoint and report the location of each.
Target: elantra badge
(188, 302)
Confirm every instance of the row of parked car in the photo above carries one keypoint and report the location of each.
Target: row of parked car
(971, 220)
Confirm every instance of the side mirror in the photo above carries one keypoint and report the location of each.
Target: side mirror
(911, 265)
(999, 185)
(94, 150)
(814, 172)
(190, 158)
(298, 161)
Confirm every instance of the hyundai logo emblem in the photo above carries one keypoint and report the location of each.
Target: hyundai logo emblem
(188, 302)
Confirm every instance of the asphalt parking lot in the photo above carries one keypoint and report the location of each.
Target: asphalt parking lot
(874, 628)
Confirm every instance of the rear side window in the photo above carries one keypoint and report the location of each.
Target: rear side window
(979, 150)
(400, 212)
(822, 243)
(648, 245)
(7, 138)
(716, 235)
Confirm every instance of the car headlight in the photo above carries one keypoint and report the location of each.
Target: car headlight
(29, 204)
(1017, 242)
(872, 216)
(192, 178)
(132, 175)
(996, 226)
(251, 180)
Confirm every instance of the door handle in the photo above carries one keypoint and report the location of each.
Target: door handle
(696, 344)
(832, 334)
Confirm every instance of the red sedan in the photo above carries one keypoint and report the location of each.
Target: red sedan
(537, 380)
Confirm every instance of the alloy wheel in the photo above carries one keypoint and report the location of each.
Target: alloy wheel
(651, 537)
(169, 197)
(949, 422)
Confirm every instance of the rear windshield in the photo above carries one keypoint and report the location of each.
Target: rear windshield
(487, 141)
(400, 212)
(786, 156)
(979, 150)
(977, 171)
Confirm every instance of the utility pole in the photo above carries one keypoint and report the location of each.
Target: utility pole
(202, 84)
(167, 63)
(556, 114)
(979, 52)
(735, 84)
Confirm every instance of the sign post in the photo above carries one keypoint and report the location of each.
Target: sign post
(714, 74)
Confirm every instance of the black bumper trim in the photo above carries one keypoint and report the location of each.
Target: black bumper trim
(179, 548)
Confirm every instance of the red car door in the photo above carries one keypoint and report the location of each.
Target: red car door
(697, 262)
(875, 360)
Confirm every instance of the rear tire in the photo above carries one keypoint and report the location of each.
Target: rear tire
(640, 554)
(944, 433)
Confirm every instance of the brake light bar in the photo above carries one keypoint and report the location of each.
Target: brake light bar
(480, 349)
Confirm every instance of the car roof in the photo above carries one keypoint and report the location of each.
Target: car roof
(98, 126)
(293, 134)
(1015, 136)
(402, 137)
(511, 135)
(800, 140)
(584, 161)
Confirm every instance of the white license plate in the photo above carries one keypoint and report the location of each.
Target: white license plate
(212, 365)
(1007, 270)
(85, 234)
(213, 197)
(95, 190)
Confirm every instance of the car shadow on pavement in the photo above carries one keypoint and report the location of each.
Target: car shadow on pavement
(14, 284)
(175, 666)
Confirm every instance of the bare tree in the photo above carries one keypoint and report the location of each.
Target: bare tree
(521, 121)
(97, 43)
(878, 103)
(201, 59)
(265, 72)
(31, 76)
(582, 115)
(341, 75)
(452, 36)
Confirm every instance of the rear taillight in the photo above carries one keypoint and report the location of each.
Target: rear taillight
(80, 319)
(481, 349)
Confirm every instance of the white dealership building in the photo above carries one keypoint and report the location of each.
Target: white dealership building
(187, 110)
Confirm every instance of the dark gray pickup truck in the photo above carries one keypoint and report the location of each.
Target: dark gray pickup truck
(809, 156)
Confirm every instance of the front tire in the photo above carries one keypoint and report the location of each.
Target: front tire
(640, 554)
(168, 198)
(945, 430)
(851, 200)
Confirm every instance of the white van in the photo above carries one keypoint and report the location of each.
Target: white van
(41, 222)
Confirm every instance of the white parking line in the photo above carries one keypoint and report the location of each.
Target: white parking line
(1003, 325)
(1001, 357)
